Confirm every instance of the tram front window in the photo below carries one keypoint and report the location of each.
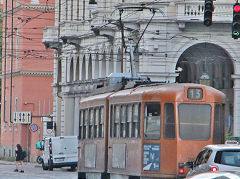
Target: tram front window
(194, 121)
(152, 121)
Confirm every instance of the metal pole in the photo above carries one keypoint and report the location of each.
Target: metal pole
(5, 64)
(11, 82)
(132, 61)
(27, 143)
(123, 40)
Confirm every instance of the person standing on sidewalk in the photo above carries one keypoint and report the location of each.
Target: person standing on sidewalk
(19, 158)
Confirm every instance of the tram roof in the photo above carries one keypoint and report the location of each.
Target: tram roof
(96, 97)
(173, 87)
(170, 91)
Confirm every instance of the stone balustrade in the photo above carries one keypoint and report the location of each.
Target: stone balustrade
(192, 11)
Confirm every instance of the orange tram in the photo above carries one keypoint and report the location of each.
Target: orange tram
(148, 131)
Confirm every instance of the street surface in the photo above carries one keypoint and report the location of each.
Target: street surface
(34, 171)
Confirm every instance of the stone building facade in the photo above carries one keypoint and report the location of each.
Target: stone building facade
(93, 39)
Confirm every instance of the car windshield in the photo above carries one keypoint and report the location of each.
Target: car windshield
(228, 157)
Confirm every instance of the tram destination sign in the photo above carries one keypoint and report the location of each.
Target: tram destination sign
(23, 117)
(151, 158)
(195, 93)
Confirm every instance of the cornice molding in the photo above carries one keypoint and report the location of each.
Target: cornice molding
(28, 73)
(32, 7)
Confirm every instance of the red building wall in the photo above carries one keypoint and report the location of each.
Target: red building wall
(30, 70)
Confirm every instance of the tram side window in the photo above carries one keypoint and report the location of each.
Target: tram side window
(218, 128)
(123, 126)
(81, 125)
(86, 126)
(152, 128)
(101, 124)
(96, 123)
(129, 119)
(116, 128)
(194, 121)
(125, 121)
(111, 115)
(169, 121)
(91, 124)
(136, 121)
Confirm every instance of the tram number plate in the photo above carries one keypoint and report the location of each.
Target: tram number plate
(195, 93)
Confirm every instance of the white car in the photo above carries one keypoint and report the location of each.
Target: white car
(219, 175)
(222, 157)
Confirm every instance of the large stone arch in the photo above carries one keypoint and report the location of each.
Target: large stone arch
(209, 64)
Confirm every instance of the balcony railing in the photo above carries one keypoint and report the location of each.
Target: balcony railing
(192, 11)
(187, 11)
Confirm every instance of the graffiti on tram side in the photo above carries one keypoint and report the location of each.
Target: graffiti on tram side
(151, 158)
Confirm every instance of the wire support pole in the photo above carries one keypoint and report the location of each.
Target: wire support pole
(11, 82)
(5, 63)
(11, 76)
(123, 38)
(144, 30)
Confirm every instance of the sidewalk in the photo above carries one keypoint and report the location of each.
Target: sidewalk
(4, 162)
(34, 171)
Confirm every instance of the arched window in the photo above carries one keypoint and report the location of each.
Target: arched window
(96, 67)
(103, 68)
(90, 68)
(110, 63)
(83, 71)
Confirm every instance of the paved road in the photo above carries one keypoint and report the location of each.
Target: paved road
(34, 171)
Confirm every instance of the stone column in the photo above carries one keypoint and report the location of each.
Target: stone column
(236, 110)
(76, 116)
(69, 107)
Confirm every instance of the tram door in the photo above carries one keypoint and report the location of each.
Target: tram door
(159, 138)
(169, 142)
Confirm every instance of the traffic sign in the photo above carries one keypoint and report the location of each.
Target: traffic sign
(34, 127)
(23, 117)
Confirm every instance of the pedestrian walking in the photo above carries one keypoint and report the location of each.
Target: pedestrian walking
(19, 158)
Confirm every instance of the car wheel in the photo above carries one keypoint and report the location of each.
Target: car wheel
(50, 167)
(44, 167)
(73, 167)
(39, 160)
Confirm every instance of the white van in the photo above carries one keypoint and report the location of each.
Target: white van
(60, 152)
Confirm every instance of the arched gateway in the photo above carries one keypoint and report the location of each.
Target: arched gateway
(209, 64)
